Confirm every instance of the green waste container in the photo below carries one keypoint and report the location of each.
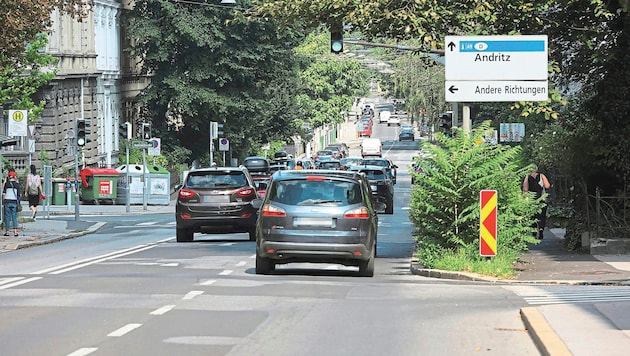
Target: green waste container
(58, 192)
(98, 185)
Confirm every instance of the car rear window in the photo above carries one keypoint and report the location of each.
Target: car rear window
(216, 179)
(376, 162)
(316, 192)
(330, 165)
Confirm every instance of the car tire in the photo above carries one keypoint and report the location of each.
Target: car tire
(252, 234)
(264, 265)
(389, 209)
(184, 235)
(366, 268)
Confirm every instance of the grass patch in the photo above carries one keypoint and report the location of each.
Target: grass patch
(500, 266)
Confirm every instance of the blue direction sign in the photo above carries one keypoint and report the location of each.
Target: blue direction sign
(493, 58)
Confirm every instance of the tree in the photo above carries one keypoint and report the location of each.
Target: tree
(23, 20)
(204, 66)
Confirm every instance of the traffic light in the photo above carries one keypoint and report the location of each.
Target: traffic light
(125, 130)
(336, 41)
(82, 129)
(446, 123)
(146, 131)
(219, 130)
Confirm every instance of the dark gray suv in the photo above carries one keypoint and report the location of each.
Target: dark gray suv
(216, 200)
(318, 216)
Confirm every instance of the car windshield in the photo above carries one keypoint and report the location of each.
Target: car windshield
(307, 192)
(376, 162)
(216, 179)
(374, 174)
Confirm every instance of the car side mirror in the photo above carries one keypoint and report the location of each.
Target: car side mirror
(395, 166)
(178, 187)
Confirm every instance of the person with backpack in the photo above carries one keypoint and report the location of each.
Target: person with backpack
(538, 184)
(11, 198)
(33, 190)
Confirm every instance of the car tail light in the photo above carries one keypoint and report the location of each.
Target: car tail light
(186, 193)
(358, 213)
(315, 178)
(270, 210)
(246, 192)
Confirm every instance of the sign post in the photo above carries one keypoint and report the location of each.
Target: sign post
(488, 223)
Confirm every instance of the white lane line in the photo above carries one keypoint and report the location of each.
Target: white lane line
(242, 263)
(166, 240)
(225, 272)
(252, 256)
(124, 330)
(163, 310)
(12, 279)
(83, 351)
(148, 223)
(172, 264)
(192, 294)
(101, 260)
(208, 282)
(18, 283)
(228, 244)
(47, 270)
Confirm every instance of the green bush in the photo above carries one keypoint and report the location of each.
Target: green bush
(445, 201)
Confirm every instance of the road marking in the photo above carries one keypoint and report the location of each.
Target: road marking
(227, 244)
(192, 294)
(163, 309)
(148, 223)
(124, 330)
(208, 282)
(405, 208)
(242, 263)
(83, 351)
(18, 283)
(101, 260)
(225, 272)
(9, 280)
(252, 256)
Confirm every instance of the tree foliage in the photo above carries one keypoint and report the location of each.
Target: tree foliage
(205, 67)
(445, 200)
(23, 20)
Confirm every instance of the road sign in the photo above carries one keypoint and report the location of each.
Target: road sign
(496, 57)
(496, 68)
(18, 123)
(224, 144)
(141, 144)
(488, 225)
(514, 90)
(156, 146)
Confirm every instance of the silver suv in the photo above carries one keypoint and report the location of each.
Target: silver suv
(318, 216)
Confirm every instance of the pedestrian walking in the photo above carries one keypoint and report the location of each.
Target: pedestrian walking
(538, 184)
(11, 198)
(34, 190)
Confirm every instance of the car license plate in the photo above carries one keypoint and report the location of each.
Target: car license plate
(216, 199)
(320, 222)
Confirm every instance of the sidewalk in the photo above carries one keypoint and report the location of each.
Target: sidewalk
(557, 329)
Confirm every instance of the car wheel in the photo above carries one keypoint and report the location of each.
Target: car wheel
(184, 235)
(264, 265)
(366, 268)
(389, 209)
(252, 234)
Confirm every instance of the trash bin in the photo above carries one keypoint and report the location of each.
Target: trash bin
(158, 185)
(58, 196)
(98, 185)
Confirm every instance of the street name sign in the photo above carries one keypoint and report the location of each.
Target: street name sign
(496, 68)
(142, 144)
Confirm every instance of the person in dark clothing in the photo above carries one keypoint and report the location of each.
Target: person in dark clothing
(11, 197)
(33, 190)
(538, 184)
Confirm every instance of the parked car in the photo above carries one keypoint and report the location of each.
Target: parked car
(406, 134)
(381, 185)
(389, 166)
(216, 200)
(317, 216)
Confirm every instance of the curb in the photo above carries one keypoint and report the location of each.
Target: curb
(44, 241)
(545, 338)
